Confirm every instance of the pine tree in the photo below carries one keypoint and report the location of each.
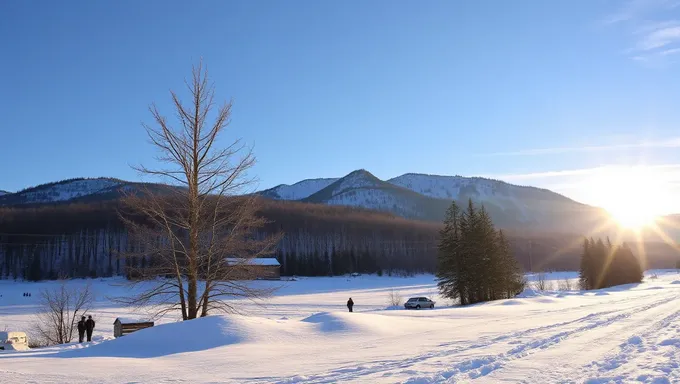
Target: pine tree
(586, 265)
(475, 263)
(448, 265)
(606, 265)
(491, 269)
(512, 281)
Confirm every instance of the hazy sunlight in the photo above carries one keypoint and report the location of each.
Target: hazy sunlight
(635, 197)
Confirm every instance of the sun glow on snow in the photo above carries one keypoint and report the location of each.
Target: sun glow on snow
(634, 197)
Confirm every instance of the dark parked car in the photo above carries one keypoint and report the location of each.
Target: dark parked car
(419, 302)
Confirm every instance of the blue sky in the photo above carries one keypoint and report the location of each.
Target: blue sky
(544, 93)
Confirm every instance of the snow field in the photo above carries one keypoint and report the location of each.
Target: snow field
(304, 334)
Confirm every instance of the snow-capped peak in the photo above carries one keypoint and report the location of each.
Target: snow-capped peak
(358, 179)
(62, 191)
(299, 190)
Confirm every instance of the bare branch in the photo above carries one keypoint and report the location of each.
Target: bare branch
(180, 238)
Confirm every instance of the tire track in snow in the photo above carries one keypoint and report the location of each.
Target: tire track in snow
(478, 366)
(637, 346)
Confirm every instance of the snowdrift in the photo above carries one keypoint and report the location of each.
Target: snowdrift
(172, 338)
(369, 325)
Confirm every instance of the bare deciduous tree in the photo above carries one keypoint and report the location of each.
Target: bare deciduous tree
(61, 308)
(564, 285)
(186, 232)
(394, 298)
(541, 284)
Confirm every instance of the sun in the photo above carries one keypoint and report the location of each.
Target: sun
(634, 196)
(633, 219)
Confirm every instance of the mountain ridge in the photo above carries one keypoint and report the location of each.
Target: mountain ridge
(411, 196)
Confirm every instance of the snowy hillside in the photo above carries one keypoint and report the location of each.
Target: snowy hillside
(299, 190)
(304, 334)
(60, 191)
(98, 189)
(462, 188)
(426, 197)
(413, 196)
(3, 192)
(364, 190)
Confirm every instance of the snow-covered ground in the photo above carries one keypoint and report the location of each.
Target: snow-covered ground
(304, 334)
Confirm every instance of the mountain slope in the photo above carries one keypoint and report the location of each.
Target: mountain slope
(362, 189)
(3, 192)
(75, 190)
(60, 191)
(426, 197)
(527, 203)
(412, 196)
(297, 191)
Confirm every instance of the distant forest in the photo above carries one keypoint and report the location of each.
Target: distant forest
(85, 240)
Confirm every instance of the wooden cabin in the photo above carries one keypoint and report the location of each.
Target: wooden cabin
(266, 268)
(123, 326)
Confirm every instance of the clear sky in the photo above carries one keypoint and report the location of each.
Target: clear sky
(534, 92)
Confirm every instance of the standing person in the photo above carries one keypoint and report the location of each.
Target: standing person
(89, 327)
(350, 304)
(81, 329)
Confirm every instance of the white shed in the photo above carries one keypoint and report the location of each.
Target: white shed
(13, 341)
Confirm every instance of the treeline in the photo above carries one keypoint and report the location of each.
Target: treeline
(86, 239)
(605, 265)
(475, 262)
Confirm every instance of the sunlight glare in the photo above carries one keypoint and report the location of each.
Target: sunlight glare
(635, 197)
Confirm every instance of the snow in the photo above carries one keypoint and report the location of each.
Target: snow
(267, 261)
(506, 196)
(377, 199)
(304, 334)
(300, 190)
(357, 179)
(132, 320)
(67, 190)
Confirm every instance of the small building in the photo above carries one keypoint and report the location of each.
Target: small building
(123, 326)
(13, 341)
(267, 268)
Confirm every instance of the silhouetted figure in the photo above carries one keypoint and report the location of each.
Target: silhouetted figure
(89, 327)
(350, 304)
(81, 329)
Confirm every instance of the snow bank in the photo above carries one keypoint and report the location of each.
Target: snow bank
(305, 334)
(172, 338)
(358, 323)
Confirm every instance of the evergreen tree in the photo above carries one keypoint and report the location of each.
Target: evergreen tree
(475, 263)
(606, 265)
(448, 266)
(585, 280)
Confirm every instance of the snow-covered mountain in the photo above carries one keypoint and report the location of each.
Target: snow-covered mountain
(362, 189)
(413, 196)
(426, 197)
(3, 192)
(297, 191)
(458, 187)
(80, 189)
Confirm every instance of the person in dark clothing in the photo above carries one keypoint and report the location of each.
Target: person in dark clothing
(350, 304)
(81, 329)
(89, 327)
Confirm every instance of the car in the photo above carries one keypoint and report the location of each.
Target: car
(419, 302)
